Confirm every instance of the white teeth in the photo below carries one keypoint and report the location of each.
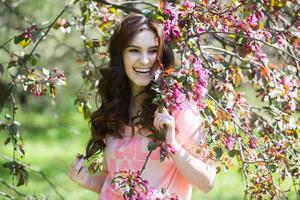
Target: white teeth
(142, 70)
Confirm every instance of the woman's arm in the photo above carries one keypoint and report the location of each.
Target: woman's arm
(197, 172)
(188, 124)
(79, 174)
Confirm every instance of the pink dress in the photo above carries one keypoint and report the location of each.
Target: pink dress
(130, 153)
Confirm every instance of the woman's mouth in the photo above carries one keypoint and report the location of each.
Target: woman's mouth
(142, 70)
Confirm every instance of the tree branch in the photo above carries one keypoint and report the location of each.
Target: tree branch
(16, 12)
(11, 188)
(125, 5)
(245, 36)
(67, 6)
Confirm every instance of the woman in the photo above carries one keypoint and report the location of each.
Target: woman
(127, 115)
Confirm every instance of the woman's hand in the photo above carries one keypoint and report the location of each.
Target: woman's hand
(165, 119)
(77, 172)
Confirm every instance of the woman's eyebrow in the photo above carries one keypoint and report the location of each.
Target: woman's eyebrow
(133, 46)
(138, 47)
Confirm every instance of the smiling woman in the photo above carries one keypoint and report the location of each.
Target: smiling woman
(127, 116)
(139, 57)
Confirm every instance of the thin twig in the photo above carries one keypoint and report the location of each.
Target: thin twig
(243, 165)
(247, 132)
(42, 174)
(6, 42)
(51, 184)
(147, 158)
(245, 36)
(11, 188)
(124, 5)
(67, 6)
(7, 196)
(16, 12)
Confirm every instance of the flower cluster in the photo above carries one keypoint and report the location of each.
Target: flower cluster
(30, 34)
(39, 82)
(165, 150)
(131, 184)
(173, 86)
(170, 25)
(134, 187)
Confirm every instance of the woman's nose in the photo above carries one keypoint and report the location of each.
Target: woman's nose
(144, 59)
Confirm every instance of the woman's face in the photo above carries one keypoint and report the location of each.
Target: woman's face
(139, 57)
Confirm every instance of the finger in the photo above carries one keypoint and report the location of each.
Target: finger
(75, 168)
(79, 155)
(84, 176)
(71, 168)
(155, 121)
(79, 165)
(83, 172)
(160, 123)
(77, 159)
(165, 111)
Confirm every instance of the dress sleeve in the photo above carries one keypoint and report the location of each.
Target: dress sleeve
(197, 169)
(189, 125)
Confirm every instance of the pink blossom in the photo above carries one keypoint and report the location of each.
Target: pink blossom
(37, 91)
(130, 183)
(171, 30)
(260, 15)
(165, 150)
(189, 5)
(280, 41)
(252, 20)
(200, 30)
(176, 97)
(261, 56)
(229, 142)
(252, 143)
(267, 35)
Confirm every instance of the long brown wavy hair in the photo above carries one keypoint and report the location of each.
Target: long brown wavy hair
(114, 89)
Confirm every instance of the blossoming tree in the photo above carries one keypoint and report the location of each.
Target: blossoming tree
(220, 45)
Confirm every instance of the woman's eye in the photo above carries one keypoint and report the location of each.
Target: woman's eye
(153, 51)
(133, 50)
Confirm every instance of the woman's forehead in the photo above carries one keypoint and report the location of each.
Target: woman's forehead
(143, 38)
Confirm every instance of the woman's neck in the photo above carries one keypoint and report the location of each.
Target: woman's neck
(135, 106)
(136, 103)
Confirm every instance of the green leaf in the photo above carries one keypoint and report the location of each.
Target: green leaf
(18, 39)
(33, 61)
(7, 141)
(152, 146)
(162, 135)
(152, 136)
(11, 64)
(23, 177)
(2, 126)
(272, 167)
(7, 117)
(233, 152)
(218, 151)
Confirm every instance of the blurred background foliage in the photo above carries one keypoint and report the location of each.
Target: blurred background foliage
(53, 129)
